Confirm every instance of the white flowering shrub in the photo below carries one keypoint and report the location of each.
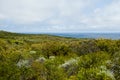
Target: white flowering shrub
(25, 63)
(33, 52)
(41, 59)
(104, 71)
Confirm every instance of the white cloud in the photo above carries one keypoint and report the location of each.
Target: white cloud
(27, 11)
(2, 16)
(106, 17)
(62, 15)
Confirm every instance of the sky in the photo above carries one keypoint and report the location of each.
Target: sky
(60, 15)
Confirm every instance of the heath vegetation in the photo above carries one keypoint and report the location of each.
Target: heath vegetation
(46, 57)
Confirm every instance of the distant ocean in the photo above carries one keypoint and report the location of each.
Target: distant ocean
(86, 35)
(89, 35)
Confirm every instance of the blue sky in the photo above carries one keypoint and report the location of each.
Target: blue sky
(60, 15)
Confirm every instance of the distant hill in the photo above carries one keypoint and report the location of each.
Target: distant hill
(4, 34)
(12, 35)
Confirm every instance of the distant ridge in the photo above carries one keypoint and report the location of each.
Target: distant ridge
(6, 34)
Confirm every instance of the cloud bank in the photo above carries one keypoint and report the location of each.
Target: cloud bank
(59, 15)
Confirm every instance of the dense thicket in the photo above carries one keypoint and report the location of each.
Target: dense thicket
(45, 57)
